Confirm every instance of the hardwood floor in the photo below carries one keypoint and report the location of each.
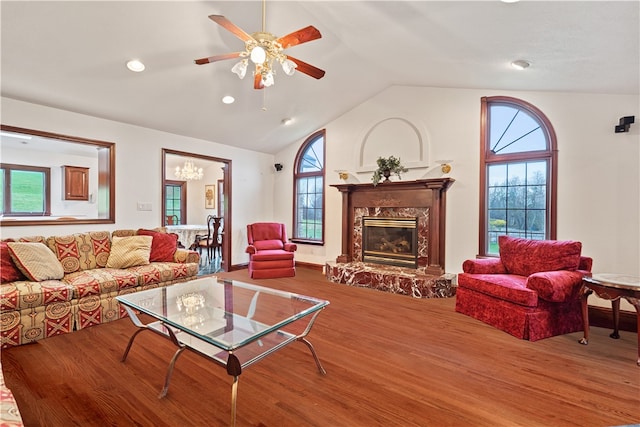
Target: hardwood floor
(391, 361)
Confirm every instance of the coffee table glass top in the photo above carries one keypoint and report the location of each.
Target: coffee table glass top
(227, 314)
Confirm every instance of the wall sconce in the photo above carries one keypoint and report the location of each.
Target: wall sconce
(445, 165)
(343, 174)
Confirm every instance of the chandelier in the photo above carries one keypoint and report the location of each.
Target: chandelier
(189, 172)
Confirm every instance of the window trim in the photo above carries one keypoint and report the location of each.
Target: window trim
(488, 158)
(7, 212)
(296, 174)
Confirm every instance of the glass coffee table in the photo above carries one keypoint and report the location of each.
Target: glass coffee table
(234, 324)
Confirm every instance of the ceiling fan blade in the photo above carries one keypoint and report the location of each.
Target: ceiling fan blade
(307, 69)
(303, 35)
(215, 58)
(230, 26)
(257, 81)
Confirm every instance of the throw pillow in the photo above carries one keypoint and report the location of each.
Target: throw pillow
(163, 245)
(525, 257)
(8, 270)
(129, 251)
(36, 261)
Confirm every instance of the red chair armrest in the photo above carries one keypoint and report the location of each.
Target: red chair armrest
(251, 249)
(290, 247)
(556, 286)
(484, 266)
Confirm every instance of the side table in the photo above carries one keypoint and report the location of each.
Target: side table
(611, 286)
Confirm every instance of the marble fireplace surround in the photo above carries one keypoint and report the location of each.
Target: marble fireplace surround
(423, 199)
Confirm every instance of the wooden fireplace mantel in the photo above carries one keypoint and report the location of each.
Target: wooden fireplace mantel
(422, 193)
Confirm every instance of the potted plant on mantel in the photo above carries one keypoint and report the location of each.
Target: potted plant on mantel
(386, 167)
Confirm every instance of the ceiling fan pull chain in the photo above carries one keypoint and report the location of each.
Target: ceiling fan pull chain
(264, 100)
(264, 16)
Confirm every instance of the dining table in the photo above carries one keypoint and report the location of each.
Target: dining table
(187, 232)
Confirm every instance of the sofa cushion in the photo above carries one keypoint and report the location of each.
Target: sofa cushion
(525, 257)
(163, 245)
(35, 261)
(100, 281)
(262, 245)
(81, 251)
(26, 294)
(556, 286)
(508, 287)
(129, 251)
(8, 270)
(160, 272)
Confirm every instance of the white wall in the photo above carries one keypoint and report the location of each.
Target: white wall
(598, 173)
(139, 171)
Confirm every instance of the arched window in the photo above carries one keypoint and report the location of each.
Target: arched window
(308, 181)
(518, 173)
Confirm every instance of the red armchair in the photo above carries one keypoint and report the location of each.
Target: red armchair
(270, 253)
(531, 292)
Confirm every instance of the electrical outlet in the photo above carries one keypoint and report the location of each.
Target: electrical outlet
(144, 206)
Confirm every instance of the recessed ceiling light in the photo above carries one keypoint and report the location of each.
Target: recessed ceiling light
(520, 64)
(228, 99)
(135, 65)
(509, 1)
(287, 121)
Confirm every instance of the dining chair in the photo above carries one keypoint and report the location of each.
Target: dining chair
(172, 220)
(213, 240)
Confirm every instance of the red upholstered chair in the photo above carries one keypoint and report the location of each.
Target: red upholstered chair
(531, 292)
(270, 253)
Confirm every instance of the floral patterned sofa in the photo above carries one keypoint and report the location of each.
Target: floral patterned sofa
(55, 285)
(531, 292)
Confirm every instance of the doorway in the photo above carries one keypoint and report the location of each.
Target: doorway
(195, 202)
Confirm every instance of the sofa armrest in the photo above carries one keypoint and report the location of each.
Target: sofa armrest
(585, 263)
(251, 250)
(290, 247)
(484, 266)
(186, 256)
(556, 286)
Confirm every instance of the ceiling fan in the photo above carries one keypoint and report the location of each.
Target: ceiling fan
(263, 49)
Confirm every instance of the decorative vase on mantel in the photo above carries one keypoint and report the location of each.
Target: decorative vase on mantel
(387, 166)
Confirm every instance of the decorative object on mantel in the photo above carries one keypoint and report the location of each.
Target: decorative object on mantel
(343, 174)
(386, 167)
(189, 171)
(445, 165)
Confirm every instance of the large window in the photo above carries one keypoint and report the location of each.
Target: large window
(25, 190)
(517, 173)
(308, 204)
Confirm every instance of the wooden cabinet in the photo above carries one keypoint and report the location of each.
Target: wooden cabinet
(76, 183)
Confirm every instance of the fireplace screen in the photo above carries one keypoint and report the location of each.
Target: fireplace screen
(391, 241)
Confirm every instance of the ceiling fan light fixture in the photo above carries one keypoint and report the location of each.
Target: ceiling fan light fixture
(258, 55)
(289, 67)
(267, 79)
(240, 68)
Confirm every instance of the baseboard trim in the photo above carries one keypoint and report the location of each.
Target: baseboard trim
(602, 317)
(309, 265)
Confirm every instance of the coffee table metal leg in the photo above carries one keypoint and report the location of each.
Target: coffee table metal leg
(234, 398)
(138, 324)
(302, 337)
(181, 348)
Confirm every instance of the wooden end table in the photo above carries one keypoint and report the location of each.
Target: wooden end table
(611, 286)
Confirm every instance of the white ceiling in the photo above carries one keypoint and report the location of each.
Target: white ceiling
(71, 55)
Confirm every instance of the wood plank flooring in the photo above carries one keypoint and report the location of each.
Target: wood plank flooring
(391, 361)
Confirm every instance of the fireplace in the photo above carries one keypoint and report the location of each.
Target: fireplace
(393, 238)
(390, 241)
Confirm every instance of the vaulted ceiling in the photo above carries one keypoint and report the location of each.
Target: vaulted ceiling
(71, 55)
